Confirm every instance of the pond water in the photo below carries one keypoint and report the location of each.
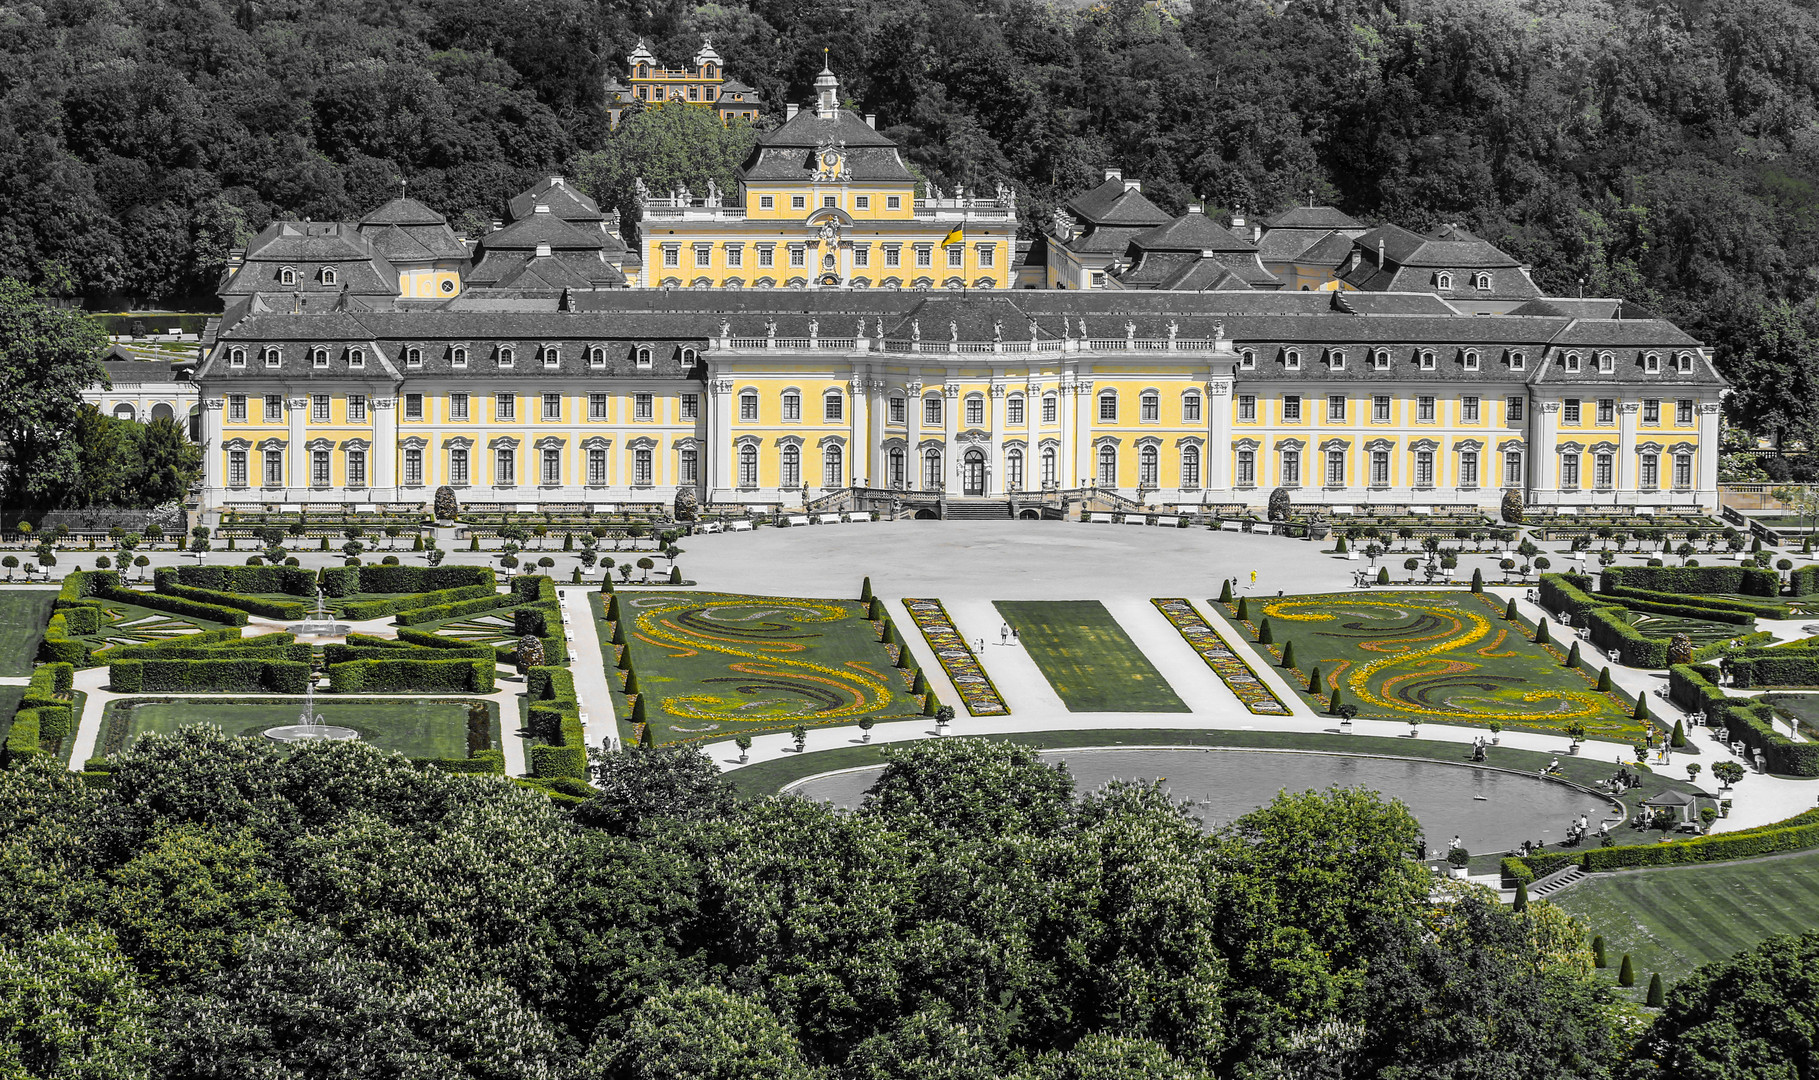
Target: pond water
(1489, 810)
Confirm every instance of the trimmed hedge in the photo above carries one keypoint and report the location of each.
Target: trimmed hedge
(1719, 648)
(426, 640)
(177, 605)
(46, 714)
(59, 647)
(1613, 633)
(1752, 723)
(167, 585)
(456, 609)
(377, 609)
(1796, 834)
(335, 653)
(225, 637)
(1803, 580)
(341, 581)
(1753, 669)
(23, 740)
(554, 716)
(232, 676)
(490, 762)
(412, 676)
(1761, 609)
(1570, 594)
(291, 580)
(1694, 580)
(1525, 869)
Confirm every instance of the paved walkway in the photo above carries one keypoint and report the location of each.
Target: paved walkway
(587, 663)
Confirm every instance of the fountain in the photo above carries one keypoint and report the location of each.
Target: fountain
(319, 623)
(310, 726)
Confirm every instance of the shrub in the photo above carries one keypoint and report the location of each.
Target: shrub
(1520, 902)
(1656, 996)
(448, 508)
(1693, 580)
(1511, 509)
(1626, 972)
(217, 676)
(454, 609)
(252, 605)
(1598, 958)
(412, 676)
(378, 609)
(1383, 575)
(1280, 506)
(1799, 833)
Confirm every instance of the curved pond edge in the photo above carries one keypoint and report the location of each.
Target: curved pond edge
(1618, 809)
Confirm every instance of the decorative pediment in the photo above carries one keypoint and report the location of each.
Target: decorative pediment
(457, 442)
(1380, 444)
(1015, 444)
(503, 442)
(1508, 445)
(831, 440)
(790, 440)
(1682, 448)
(1606, 447)
(237, 444)
(1105, 440)
(975, 435)
(549, 442)
(642, 442)
(356, 444)
(1336, 444)
(414, 442)
(320, 444)
(1190, 440)
(1149, 441)
(931, 444)
(1469, 444)
(1245, 444)
(1291, 444)
(1570, 447)
(1650, 447)
(744, 441)
(896, 442)
(1423, 444)
(687, 442)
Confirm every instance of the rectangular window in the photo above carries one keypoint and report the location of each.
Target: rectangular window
(1424, 409)
(1335, 408)
(735, 256)
(413, 467)
(318, 408)
(1247, 468)
(1468, 409)
(1683, 411)
(704, 256)
(236, 468)
(893, 202)
(1512, 409)
(641, 468)
(828, 202)
(318, 468)
(1108, 408)
(552, 467)
(505, 466)
(1569, 411)
(1149, 409)
(767, 202)
(1651, 472)
(274, 408)
(1683, 470)
(975, 411)
(798, 255)
(1512, 468)
(457, 466)
(1607, 410)
(596, 406)
(1424, 468)
(896, 410)
(1651, 411)
(236, 407)
(274, 468)
(767, 255)
(931, 411)
(925, 256)
(596, 467)
(1291, 468)
(356, 408)
(691, 406)
(689, 464)
(642, 406)
(1247, 406)
(413, 406)
(1380, 468)
(1468, 469)
(893, 255)
(1048, 409)
(792, 407)
(862, 202)
(833, 408)
(956, 256)
(748, 406)
(505, 407)
(356, 468)
(1602, 470)
(1190, 409)
(988, 254)
(1291, 408)
(1013, 412)
(798, 202)
(1569, 471)
(457, 406)
(672, 255)
(862, 256)
(1380, 408)
(1335, 468)
(552, 406)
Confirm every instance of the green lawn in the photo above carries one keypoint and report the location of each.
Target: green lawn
(1087, 657)
(1441, 656)
(1701, 631)
(1804, 708)
(422, 728)
(22, 618)
(127, 623)
(1675, 919)
(712, 663)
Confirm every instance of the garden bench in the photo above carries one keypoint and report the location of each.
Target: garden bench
(1168, 522)
(740, 526)
(1097, 518)
(858, 515)
(797, 519)
(708, 527)
(1136, 519)
(828, 519)
(1231, 526)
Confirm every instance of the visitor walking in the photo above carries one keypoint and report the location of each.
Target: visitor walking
(1004, 633)
(1014, 639)
(1253, 579)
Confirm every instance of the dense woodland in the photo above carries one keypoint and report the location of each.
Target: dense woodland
(225, 910)
(1662, 150)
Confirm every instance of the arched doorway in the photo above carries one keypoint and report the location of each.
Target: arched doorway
(972, 472)
(162, 411)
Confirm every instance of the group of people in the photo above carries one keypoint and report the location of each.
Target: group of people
(1622, 782)
(1481, 747)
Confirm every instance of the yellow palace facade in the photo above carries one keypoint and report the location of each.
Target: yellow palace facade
(825, 201)
(778, 397)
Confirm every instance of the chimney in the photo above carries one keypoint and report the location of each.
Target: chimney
(555, 181)
(1380, 252)
(789, 112)
(543, 251)
(871, 120)
(1114, 174)
(1237, 220)
(542, 208)
(1257, 232)
(1133, 185)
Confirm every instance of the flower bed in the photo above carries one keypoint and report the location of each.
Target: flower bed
(963, 668)
(1213, 648)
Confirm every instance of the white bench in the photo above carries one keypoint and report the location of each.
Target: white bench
(1420, 510)
(740, 526)
(1567, 511)
(1169, 522)
(1343, 509)
(1099, 519)
(709, 527)
(828, 519)
(525, 508)
(1231, 526)
(1645, 511)
(605, 508)
(797, 519)
(858, 515)
(1136, 519)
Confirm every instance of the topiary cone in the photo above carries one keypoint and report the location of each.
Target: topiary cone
(1678, 739)
(631, 682)
(647, 738)
(638, 710)
(1656, 996)
(675, 575)
(1604, 680)
(1264, 637)
(1641, 712)
(1541, 632)
(1225, 591)
(931, 706)
(1598, 952)
(1383, 575)
(1244, 609)
(1477, 580)
(920, 685)
(1509, 610)
(1288, 655)
(1626, 972)
(1332, 703)
(865, 590)
(1520, 904)
(1313, 680)
(1572, 655)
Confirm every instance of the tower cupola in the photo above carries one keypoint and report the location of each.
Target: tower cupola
(827, 91)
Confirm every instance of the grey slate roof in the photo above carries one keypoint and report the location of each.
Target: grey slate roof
(403, 211)
(563, 199)
(1323, 218)
(1112, 203)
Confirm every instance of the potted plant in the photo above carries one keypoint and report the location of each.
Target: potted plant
(799, 735)
(1457, 859)
(865, 728)
(744, 743)
(1576, 732)
(1414, 728)
(1496, 732)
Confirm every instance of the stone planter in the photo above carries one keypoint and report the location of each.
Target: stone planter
(1573, 749)
(744, 757)
(865, 736)
(1459, 872)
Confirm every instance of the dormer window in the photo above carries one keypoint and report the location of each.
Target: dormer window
(1651, 363)
(287, 276)
(273, 358)
(507, 355)
(413, 357)
(1427, 360)
(552, 356)
(236, 357)
(689, 356)
(1381, 360)
(1481, 281)
(596, 357)
(1607, 363)
(458, 358)
(644, 358)
(1247, 361)
(328, 275)
(1571, 364)
(1335, 360)
(1518, 362)
(1471, 360)
(1291, 360)
(318, 357)
(356, 359)
(1443, 280)
(1684, 362)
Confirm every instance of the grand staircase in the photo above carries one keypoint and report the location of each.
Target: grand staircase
(963, 508)
(1556, 881)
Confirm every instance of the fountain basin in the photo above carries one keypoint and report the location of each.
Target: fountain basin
(295, 733)
(319, 629)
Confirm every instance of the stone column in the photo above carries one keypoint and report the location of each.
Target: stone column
(719, 448)
(1543, 465)
(1216, 462)
(213, 465)
(299, 415)
(858, 465)
(1626, 450)
(1705, 481)
(912, 406)
(385, 449)
(1083, 431)
(950, 436)
(995, 479)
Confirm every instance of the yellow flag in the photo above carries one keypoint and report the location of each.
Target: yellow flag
(952, 238)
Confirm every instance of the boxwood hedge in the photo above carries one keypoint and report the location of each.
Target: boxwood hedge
(461, 676)
(1695, 687)
(555, 719)
(1694, 580)
(223, 676)
(378, 609)
(1795, 834)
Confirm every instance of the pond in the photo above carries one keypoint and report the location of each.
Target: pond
(1488, 809)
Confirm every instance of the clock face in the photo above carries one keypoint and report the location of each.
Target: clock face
(830, 159)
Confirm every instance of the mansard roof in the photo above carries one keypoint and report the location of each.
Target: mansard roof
(1115, 202)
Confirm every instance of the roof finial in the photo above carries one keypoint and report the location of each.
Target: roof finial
(401, 183)
(825, 69)
(1310, 198)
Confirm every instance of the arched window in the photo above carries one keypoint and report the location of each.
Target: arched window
(1336, 359)
(552, 356)
(1381, 359)
(1651, 363)
(833, 466)
(1150, 407)
(287, 276)
(123, 411)
(1380, 468)
(792, 406)
(1606, 363)
(596, 357)
(1108, 407)
(748, 466)
(356, 359)
(413, 357)
(1247, 360)
(236, 357)
(1518, 361)
(1048, 466)
(318, 357)
(792, 467)
(1335, 468)
(1247, 468)
(273, 357)
(1013, 468)
(1571, 363)
(1147, 467)
(1471, 359)
(931, 468)
(1108, 465)
(1443, 280)
(644, 357)
(1684, 361)
(1481, 281)
(457, 356)
(1427, 359)
(1190, 466)
(896, 460)
(1291, 360)
(328, 275)
(689, 356)
(507, 355)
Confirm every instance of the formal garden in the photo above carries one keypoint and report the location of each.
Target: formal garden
(697, 665)
(1087, 658)
(453, 732)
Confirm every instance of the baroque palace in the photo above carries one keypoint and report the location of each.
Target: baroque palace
(1178, 362)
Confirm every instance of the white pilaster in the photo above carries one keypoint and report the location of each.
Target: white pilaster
(1626, 450)
(1543, 461)
(912, 405)
(720, 451)
(995, 479)
(213, 476)
(858, 443)
(1216, 462)
(385, 448)
(950, 436)
(299, 454)
(1706, 481)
